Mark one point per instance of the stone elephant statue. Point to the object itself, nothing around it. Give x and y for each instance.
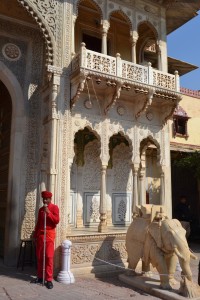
(160, 241)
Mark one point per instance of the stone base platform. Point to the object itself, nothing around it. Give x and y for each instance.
(96, 253)
(151, 286)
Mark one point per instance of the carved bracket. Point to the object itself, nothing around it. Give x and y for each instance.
(80, 88)
(114, 97)
(147, 102)
(171, 110)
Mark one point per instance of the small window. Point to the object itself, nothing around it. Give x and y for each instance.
(180, 127)
(180, 120)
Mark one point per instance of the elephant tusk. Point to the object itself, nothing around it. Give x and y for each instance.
(193, 256)
(178, 254)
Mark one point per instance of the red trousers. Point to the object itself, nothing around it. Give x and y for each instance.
(49, 254)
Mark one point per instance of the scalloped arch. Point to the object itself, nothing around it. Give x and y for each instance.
(81, 128)
(94, 2)
(46, 32)
(148, 23)
(89, 127)
(125, 136)
(149, 138)
(123, 14)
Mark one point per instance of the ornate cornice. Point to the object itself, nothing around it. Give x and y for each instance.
(96, 237)
(43, 16)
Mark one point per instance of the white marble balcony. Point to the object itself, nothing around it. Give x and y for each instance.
(102, 65)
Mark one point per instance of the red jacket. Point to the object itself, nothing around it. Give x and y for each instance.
(52, 219)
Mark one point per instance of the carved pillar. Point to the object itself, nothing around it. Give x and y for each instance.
(159, 57)
(162, 188)
(83, 59)
(53, 136)
(142, 195)
(43, 178)
(44, 160)
(67, 200)
(74, 17)
(103, 215)
(105, 26)
(118, 65)
(150, 74)
(79, 212)
(135, 189)
(134, 38)
(109, 197)
(177, 81)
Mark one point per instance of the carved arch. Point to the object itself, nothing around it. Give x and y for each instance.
(89, 127)
(126, 137)
(123, 15)
(150, 25)
(81, 139)
(143, 146)
(77, 2)
(147, 33)
(44, 27)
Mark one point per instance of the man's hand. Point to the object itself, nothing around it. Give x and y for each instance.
(46, 209)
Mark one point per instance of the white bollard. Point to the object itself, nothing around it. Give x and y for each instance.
(65, 276)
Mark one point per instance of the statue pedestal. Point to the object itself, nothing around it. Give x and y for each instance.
(152, 287)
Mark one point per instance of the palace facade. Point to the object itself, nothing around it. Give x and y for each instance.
(87, 91)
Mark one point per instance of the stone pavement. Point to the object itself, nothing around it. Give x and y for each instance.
(15, 285)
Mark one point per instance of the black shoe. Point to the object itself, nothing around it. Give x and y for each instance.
(49, 285)
(37, 280)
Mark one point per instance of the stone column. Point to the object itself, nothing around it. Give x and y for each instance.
(67, 200)
(44, 164)
(135, 189)
(109, 197)
(53, 137)
(103, 215)
(150, 74)
(74, 17)
(79, 212)
(105, 26)
(159, 57)
(133, 38)
(162, 188)
(177, 81)
(142, 196)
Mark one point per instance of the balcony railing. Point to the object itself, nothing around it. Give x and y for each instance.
(115, 66)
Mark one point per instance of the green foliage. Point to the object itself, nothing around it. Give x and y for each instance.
(190, 161)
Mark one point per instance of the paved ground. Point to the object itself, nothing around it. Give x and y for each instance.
(15, 285)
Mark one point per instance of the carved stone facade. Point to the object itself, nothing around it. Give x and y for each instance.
(85, 124)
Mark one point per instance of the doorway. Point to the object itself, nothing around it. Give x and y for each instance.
(5, 130)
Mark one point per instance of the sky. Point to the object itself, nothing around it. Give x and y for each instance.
(184, 44)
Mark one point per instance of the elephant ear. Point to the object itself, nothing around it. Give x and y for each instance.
(154, 231)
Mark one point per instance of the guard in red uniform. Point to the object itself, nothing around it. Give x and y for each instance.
(52, 219)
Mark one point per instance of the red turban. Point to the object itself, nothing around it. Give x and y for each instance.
(46, 194)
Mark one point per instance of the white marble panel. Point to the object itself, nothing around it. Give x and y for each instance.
(121, 204)
(91, 208)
